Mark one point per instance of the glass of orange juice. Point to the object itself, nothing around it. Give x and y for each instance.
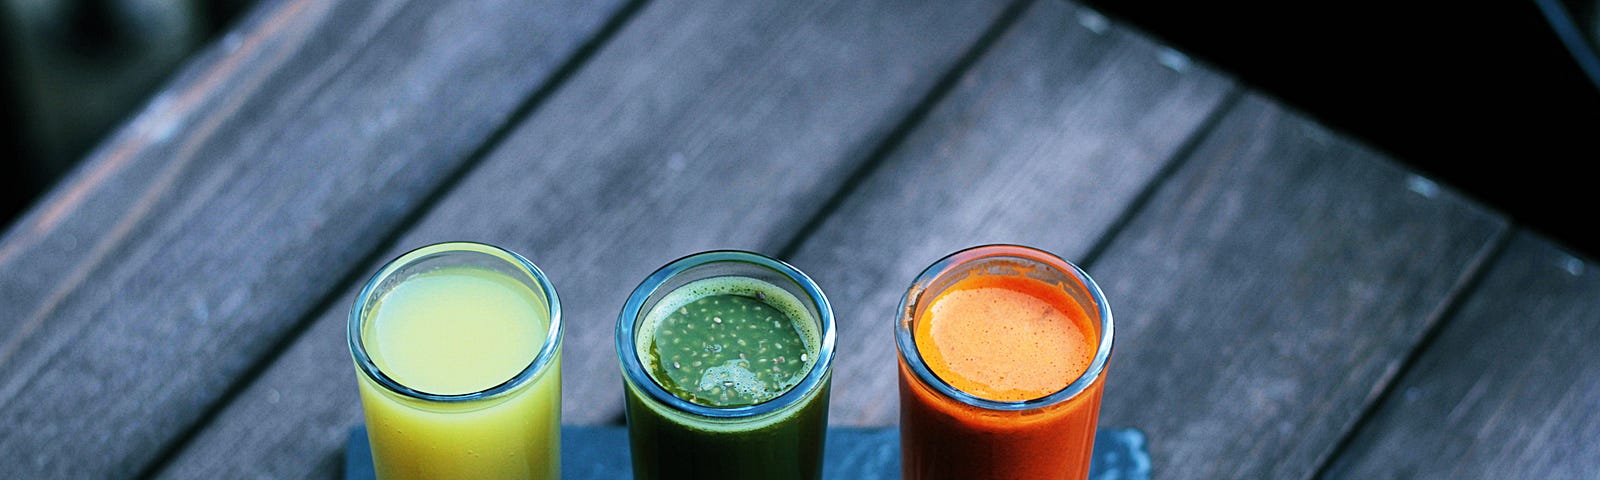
(457, 349)
(1003, 351)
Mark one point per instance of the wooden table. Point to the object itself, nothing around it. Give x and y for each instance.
(1290, 303)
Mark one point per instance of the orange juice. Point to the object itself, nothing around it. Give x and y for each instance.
(1005, 338)
(1002, 350)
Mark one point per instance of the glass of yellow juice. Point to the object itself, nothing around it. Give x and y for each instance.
(457, 349)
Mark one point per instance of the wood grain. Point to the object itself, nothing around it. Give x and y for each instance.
(1509, 387)
(1270, 290)
(190, 243)
(1045, 142)
(701, 125)
(86, 219)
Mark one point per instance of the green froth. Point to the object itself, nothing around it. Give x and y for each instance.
(728, 342)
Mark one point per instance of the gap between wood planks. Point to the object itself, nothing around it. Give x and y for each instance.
(912, 120)
(1437, 323)
(946, 83)
(941, 89)
(1440, 320)
(523, 110)
(1179, 157)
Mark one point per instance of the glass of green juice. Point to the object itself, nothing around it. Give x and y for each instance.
(726, 360)
(457, 349)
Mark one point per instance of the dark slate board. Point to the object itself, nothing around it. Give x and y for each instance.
(190, 245)
(1047, 141)
(1510, 387)
(599, 452)
(721, 124)
(1270, 288)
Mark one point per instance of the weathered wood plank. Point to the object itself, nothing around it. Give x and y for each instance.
(218, 219)
(701, 125)
(1045, 142)
(86, 219)
(1271, 289)
(1509, 387)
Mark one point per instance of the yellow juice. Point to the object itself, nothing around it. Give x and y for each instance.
(459, 331)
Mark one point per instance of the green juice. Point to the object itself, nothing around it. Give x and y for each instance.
(728, 342)
(727, 350)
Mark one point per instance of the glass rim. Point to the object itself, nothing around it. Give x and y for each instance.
(633, 367)
(905, 341)
(535, 369)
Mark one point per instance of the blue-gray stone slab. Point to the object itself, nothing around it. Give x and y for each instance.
(601, 452)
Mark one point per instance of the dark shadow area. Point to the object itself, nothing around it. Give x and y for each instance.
(1480, 96)
(71, 71)
(1483, 97)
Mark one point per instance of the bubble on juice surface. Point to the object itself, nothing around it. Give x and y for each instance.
(732, 375)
